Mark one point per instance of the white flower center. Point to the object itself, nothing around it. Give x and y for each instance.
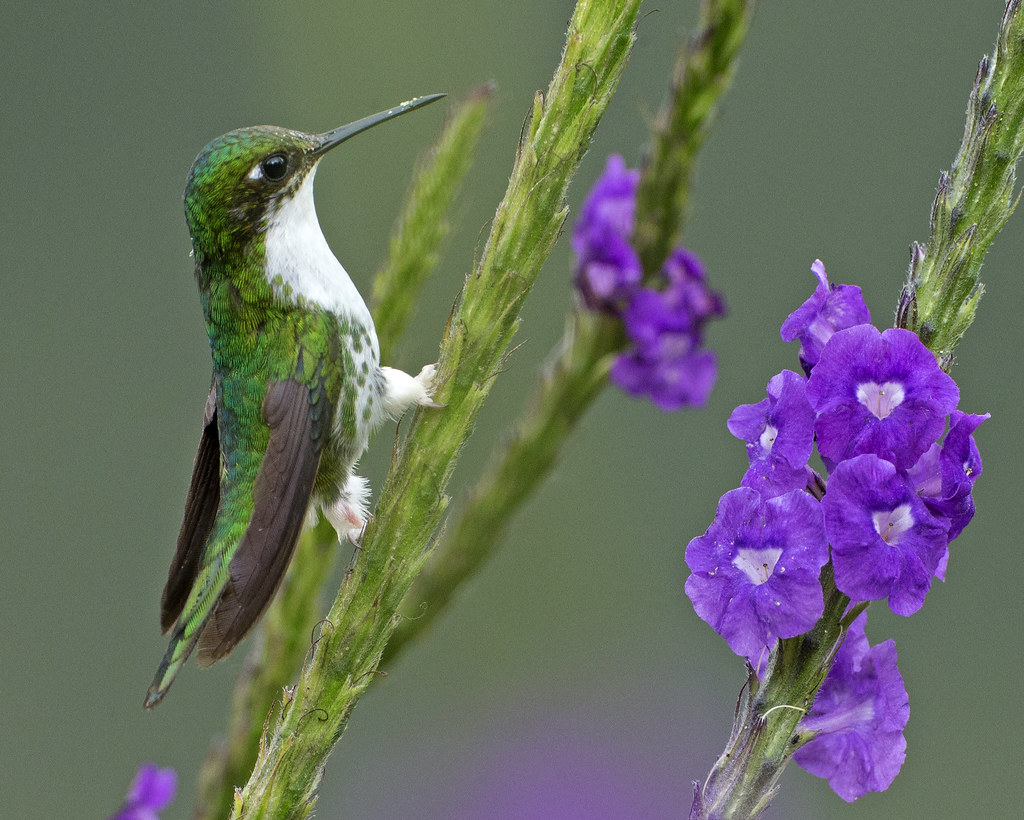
(880, 399)
(891, 524)
(768, 437)
(757, 565)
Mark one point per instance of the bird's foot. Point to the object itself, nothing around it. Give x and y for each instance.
(348, 515)
(402, 391)
(425, 378)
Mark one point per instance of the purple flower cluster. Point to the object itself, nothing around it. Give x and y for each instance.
(664, 324)
(151, 791)
(900, 463)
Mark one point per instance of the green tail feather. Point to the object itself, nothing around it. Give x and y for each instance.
(175, 657)
(208, 587)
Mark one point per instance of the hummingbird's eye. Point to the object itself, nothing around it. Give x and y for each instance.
(274, 167)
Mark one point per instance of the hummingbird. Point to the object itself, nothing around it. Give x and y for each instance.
(297, 385)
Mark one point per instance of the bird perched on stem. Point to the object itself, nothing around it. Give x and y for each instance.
(297, 385)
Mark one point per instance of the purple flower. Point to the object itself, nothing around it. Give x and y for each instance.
(829, 309)
(653, 319)
(858, 719)
(610, 205)
(880, 393)
(664, 325)
(755, 571)
(152, 790)
(608, 269)
(683, 378)
(779, 432)
(959, 467)
(885, 541)
(926, 477)
(665, 361)
(687, 288)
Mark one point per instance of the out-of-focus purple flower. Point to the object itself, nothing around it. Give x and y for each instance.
(687, 288)
(610, 205)
(608, 273)
(858, 719)
(151, 791)
(665, 327)
(755, 571)
(653, 318)
(553, 766)
(608, 269)
(673, 381)
(663, 324)
(885, 541)
(829, 309)
(880, 393)
(779, 433)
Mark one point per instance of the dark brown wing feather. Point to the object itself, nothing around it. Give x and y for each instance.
(281, 496)
(200, 512)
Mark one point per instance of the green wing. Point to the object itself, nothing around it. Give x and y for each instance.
(281, 498)
(200, 513)
(228, 562)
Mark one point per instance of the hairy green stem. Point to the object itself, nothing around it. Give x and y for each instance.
(278, 648)
(423, 225)
(577, 368)
(570, 381)
(347, 651)
(284, 636)
(703, 71)
(764, 734)
(974, 199)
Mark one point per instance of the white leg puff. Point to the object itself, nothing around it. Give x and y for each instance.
(403, 390)
(348, 515)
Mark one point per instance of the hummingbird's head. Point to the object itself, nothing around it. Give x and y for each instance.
(241, 179)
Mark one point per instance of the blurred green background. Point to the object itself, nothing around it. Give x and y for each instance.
(571, 678)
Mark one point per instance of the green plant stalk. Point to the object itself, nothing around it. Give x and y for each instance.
(577, 368)
(278, 648)
(285, 633)
(764, 735)
(344, 659)
(423, 225)
(703, 71)
(573, 377)
(974, 199)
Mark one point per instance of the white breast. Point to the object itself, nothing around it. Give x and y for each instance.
(301, 265)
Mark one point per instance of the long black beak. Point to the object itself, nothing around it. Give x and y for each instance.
(326, 141)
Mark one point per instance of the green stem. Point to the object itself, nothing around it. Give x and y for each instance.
(345, 657)
(973, 202)
(702, 73)
(278, 648)
(568, 385)
(423, 225)
(577, 368)
(745, 778)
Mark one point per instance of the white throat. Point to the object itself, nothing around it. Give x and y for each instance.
(300, 264)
